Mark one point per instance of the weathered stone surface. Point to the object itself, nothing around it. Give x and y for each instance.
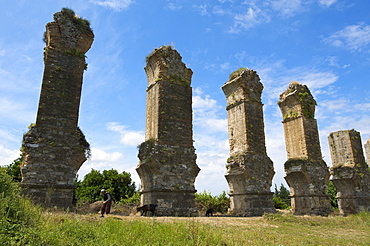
(167, 167)
(55, 148)
(249, 170)
(367, 150)
(350, 173)
(306, 172)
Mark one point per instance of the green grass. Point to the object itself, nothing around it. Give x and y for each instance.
(59, 228)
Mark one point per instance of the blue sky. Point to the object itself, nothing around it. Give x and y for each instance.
(324, 44)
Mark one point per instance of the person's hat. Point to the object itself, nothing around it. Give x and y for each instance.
(103, 190)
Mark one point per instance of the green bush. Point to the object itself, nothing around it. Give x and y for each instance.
(333, 194)
(220, 203)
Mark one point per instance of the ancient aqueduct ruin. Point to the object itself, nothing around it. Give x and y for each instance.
(54, 148)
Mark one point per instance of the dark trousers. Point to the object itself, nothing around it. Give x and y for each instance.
(106, 207)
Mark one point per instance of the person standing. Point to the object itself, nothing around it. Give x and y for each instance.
(107, 202)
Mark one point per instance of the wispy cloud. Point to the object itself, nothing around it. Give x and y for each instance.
(354, 37)
(173, 6)
(327, 3)
(251, 18)
(116, 5)
(287, 8)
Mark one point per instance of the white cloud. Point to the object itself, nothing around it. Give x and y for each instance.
(117, 5)
(327, 3)
(7, 156)
(101, 160)
(206, 111)
(128, 137)
(354, 37)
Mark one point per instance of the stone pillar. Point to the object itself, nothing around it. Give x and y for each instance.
(306, 172)
(367, 150)
(249, 170)
(54, 148)
(167, 167)
(349, 174)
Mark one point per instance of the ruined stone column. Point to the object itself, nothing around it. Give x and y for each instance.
(55, 148)
(249, 170)
(367, 150)
(349, 174)
(306, 172)
(167, 167)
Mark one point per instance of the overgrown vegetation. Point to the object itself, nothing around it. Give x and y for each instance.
(236, 73)
(220, 203)
(333, 194)
(281, 197)
(14, 169)
(18, 216)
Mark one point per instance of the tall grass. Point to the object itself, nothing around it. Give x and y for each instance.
(71, 229)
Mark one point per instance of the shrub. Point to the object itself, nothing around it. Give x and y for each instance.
(220, 203)
(18, 215)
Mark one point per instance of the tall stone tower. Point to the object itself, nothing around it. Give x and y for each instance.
(167, 167)
(349, 174)
(306, 172)
(55, 148)
(249, 169)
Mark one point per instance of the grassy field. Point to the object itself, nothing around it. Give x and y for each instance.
(57, 228)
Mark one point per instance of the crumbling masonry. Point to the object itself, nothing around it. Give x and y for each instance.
(306, 172)
(249, 169)
(55, 148)
(167, 167)
(349, 174)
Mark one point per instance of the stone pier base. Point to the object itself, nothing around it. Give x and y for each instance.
(171, 203)
(251, 204)
(60, 196)
(311, 205)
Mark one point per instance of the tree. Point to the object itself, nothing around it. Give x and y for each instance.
(119, 186)
(14, 169)
(281, 197)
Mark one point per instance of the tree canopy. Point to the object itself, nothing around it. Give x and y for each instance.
(119, 186)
